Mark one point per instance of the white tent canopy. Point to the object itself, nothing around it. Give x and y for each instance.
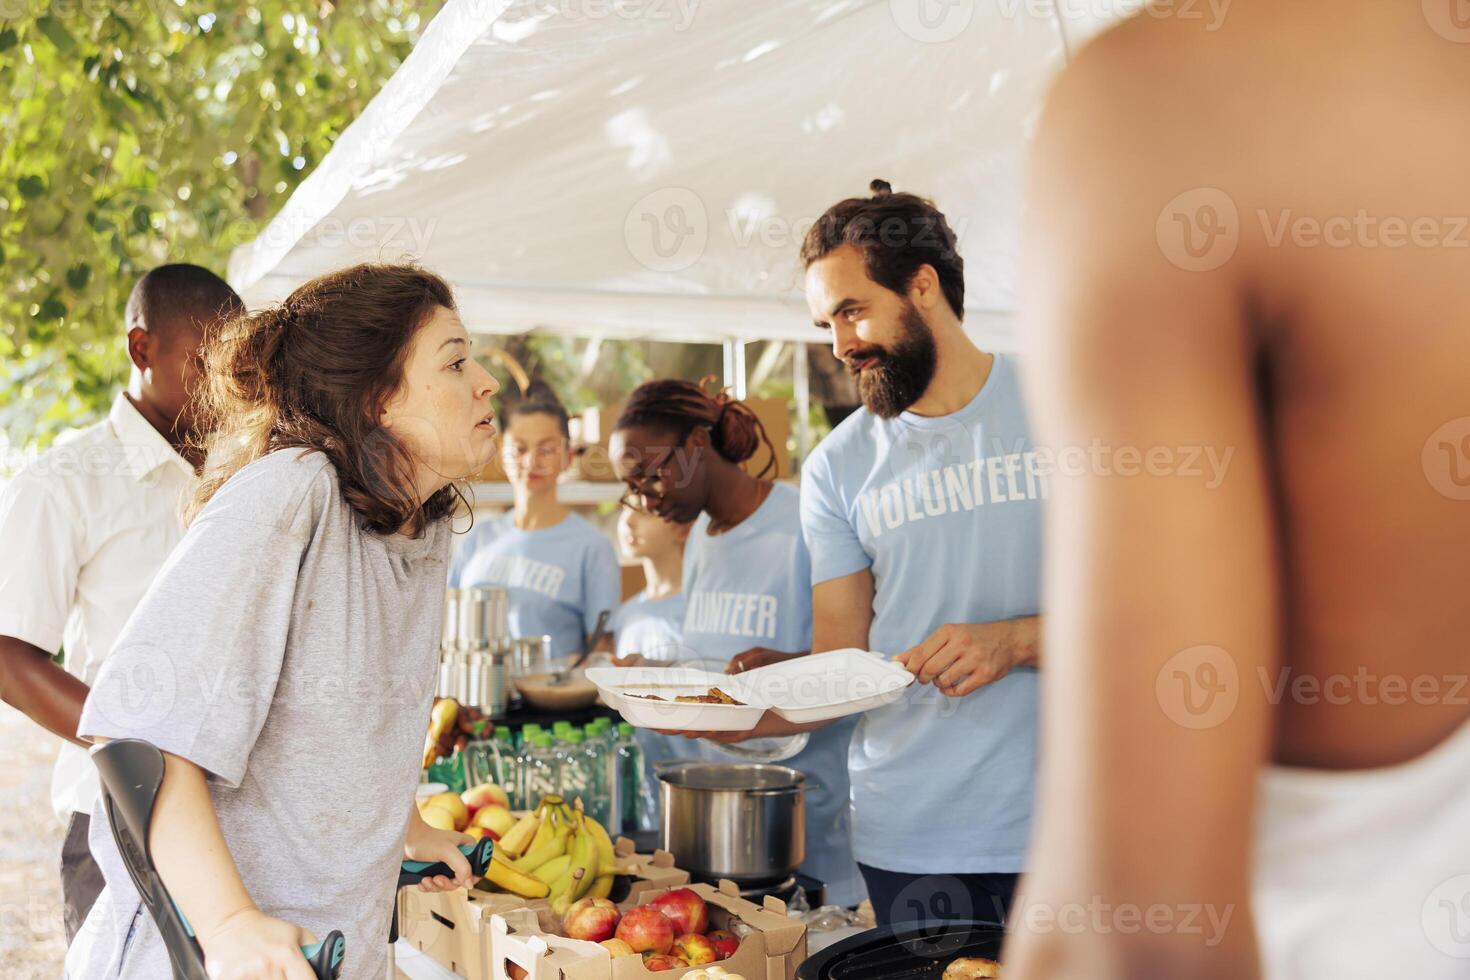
(646, 168)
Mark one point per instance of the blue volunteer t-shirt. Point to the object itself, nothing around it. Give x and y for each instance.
(751, 587)
(651, 628)
(946, 512)
(559, 578)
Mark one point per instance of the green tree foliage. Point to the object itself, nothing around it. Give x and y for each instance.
(137, 133)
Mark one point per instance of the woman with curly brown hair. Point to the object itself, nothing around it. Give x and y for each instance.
(747, 583)
(284, 660)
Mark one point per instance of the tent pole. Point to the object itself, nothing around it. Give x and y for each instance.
(801, 372)
(735, 367)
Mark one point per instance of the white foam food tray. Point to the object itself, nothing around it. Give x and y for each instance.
(807, 689)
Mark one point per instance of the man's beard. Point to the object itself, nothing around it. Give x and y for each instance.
(902, 374)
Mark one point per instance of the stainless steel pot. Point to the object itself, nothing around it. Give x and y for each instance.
(742, 821)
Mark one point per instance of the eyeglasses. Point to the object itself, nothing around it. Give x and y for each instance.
(640, 489)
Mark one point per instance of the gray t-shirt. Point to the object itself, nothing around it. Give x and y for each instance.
(292, 655)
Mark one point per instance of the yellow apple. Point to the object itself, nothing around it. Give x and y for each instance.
(476, 832)
(616, 947)
(451, 803)
(496, 819)
(437, 816)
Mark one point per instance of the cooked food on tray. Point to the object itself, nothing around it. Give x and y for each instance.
(970, 968)
(713, 696)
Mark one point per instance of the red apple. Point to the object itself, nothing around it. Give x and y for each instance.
(646, 929)
(724, 941)
(616, 947)
(694, 948)
(684, 908)
(590, 919)
(659, 962)
(484, 794)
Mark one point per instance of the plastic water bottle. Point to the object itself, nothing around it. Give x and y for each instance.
(595, 751)
(507, 764)
(607, 734)
(631, 805)
(576, 778)
(542, 773)
(525, 742)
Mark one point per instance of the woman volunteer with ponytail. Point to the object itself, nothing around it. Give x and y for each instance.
(747, 578)
(285, 657)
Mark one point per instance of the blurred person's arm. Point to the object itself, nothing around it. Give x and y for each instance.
(34, 684)
(1161, 586)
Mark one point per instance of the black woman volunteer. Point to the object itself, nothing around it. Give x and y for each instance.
(747, 577)
(559, 570)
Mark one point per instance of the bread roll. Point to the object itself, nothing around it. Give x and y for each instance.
(970, 968)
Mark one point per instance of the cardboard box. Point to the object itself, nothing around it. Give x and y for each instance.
(771, 951)
(632, 580)
(450, 927)
(590, 434)
(774, 415)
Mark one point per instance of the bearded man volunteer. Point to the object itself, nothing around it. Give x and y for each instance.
(86, 528)
(922, 514)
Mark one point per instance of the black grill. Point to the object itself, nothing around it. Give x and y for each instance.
(903, 952)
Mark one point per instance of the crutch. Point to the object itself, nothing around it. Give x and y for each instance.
(131, 771)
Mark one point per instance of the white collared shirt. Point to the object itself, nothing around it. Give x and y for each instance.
(86, 527)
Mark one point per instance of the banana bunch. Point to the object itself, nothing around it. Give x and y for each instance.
(555, 852)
